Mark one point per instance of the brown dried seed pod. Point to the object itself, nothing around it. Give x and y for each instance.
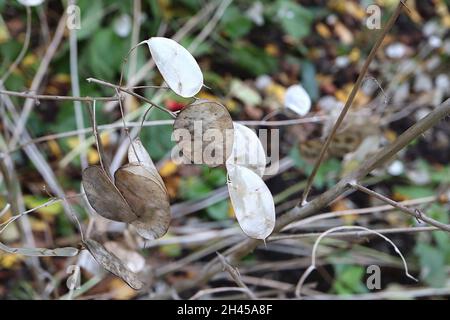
(209, 127)
(147, 197)
(104, 197)
(113, 264)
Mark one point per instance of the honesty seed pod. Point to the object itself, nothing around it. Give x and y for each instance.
(104, 196)
(297, 99)
(30, 3)
(252, 202)
(147, 198)
(247, 150)
(204, 133)
(177, 66)
(138, 195)
(113, 264)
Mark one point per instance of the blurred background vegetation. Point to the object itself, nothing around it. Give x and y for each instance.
(249, 52)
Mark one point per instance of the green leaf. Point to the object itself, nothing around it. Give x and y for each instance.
(214, 177)
(441, 175)
(171, 250)
(193, 188)
(91, 17)
(432, 262)
(349, 279)
(309, 80)
(295, 19)
(234, 23)
(105, 54)
(33, 202)
(439, 213)
(327, 173)
(157, 139)
(413, 192)
(252, 59)
(218, 211)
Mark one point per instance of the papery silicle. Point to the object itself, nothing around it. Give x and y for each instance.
(252, 202)
(297, 99)
(248, 150)
(177, 66)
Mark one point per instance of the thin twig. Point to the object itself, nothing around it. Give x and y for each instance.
(107, 84)
(350, 234)
(358, 211)
(235, 275)
(204, 292)
(98, 141)
(416, 213)
(75, 83)
(350, 99)
(61, 98)
(5, 209)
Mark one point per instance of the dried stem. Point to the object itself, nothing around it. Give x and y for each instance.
(107, 84)
(61, 98)
(125, 128)
(75, 84)
(98, 140)
(352, 234)
(234, 273)
(416, 213)
(350, 99)
(204, 292)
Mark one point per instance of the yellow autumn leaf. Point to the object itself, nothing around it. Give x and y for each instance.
(4, 33)
(272, 50)
(93, 157)
(54, 148)
(355, 10)
(29, 60)
(207, 96)
(276, 91)
(120, 290)
(38, 225)
(230, 210)
(33, 202)
(323, 30)
(231, 105)
(354, 55)
(9, 260)
(168, 168)
(390, 135)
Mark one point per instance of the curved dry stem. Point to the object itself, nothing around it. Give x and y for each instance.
(143, 120)
(204, 292)
(312, 267)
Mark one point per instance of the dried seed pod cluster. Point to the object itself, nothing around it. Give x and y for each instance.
(137, 196)
(205, 134)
